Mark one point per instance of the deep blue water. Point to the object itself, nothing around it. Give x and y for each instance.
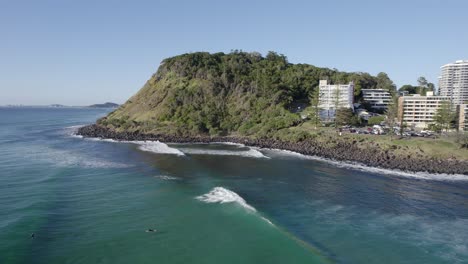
(90, 201)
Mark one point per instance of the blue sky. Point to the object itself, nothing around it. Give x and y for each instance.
(84, 52)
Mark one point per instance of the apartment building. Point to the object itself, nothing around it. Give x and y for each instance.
(333, 96)
(462, 113)
(378, 99)
(453, 81)
(417, 110)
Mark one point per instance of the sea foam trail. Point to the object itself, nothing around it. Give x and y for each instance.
(250, 153)
(362, 167)
(167, 178)
(66, 158)
(149, 146)
(222, 195)
(158, 147)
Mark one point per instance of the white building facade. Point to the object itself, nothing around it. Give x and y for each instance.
(462, 113)
(333, 96)
(419, 111)
(453, 81)
(378, 99)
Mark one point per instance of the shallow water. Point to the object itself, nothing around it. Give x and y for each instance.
(91, 200)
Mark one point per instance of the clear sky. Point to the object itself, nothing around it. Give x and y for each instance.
(84, 52)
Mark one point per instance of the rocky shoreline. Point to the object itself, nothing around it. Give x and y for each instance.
(341, 151)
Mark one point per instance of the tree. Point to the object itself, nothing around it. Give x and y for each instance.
(422, 82)
(392, 113)
(384, 82)
(430, 87)
(424, 86)
(444, 116)
(409, 88)
(336, 103)
(343, 116)
(314, 109)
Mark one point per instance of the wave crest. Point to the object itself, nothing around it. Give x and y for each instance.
(223, 195)
(250, 153)
(158, 147)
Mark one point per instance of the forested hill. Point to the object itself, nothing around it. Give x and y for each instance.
(227, 94)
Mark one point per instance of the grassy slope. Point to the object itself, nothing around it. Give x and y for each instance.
(443, 148)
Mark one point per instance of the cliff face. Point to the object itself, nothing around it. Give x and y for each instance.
(224, 94)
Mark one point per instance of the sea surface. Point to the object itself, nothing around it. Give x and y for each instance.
(92, 201)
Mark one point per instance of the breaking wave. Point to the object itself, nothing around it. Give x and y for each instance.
(71, 131)
(149, 146)
(222, 195)
(158, 147)
(251, 153)
(365, 168)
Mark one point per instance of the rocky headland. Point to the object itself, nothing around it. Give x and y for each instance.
(342, 150)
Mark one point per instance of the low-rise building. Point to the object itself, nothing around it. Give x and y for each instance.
(419, 111)
(334, 96)
(378, 99)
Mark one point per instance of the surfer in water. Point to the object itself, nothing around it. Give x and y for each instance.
(151, 230)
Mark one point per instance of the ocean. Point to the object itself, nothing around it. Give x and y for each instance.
(93, 201)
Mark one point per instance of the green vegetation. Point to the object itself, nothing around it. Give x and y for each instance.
(226, 94)
(313, 111)
(445, 147)
(444, 117)
(423, 87)
(245, 94)
(345, 116)
(375, 120)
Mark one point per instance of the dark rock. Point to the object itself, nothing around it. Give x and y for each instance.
(340, 151)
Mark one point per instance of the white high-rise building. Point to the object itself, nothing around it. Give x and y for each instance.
(333, 96)
(453, 81)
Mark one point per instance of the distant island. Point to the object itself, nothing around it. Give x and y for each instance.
(105, 105)
(250, 99)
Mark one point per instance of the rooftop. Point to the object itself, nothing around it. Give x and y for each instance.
(456, 63)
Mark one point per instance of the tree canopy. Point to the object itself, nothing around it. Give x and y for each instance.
(221, 94)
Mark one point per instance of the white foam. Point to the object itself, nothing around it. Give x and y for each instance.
(210, 143)
(223, 195)
(74, 127)
(267, 220)
(71, 131)
(66, 158)
(166, 178)
(149, 146)
(93, 139)
(362, 167)
(251, 153)
(229, 143)
(158, 147)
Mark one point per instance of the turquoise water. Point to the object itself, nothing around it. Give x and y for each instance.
(90, 201)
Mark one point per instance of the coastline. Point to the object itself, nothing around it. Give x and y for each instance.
(342, 151)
